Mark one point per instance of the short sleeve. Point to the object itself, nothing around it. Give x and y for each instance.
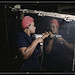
(21, 42)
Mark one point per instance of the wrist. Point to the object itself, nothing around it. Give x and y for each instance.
(51, 38)
(63, 41)
(36, 41)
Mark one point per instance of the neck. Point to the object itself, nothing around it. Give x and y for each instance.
(27, 31)
(55, 33)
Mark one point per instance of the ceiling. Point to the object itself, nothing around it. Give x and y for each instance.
(65, 7)
(52, 7)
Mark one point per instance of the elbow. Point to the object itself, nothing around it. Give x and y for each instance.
(48, 51)
(23, 53)
(71, 47)
(25, 57)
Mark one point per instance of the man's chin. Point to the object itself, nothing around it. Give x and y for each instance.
(33, 32)
(54, 33)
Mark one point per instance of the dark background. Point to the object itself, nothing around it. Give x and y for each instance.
(10, 24)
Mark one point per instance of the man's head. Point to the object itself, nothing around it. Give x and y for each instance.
(28, 23)
(54, 26)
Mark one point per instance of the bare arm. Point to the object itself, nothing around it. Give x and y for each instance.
(70, 46)
(26, 52)
(48, 48)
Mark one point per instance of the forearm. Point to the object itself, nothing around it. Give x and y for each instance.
(70, 46)
(49, 47)
(29, 50)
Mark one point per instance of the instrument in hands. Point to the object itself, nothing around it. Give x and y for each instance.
(40, 35)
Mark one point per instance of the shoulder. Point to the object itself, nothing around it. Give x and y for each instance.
(19, 34)
(21, 41)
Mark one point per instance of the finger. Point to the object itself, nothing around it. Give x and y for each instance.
(49, 33)
(46, 32)
(43, 33)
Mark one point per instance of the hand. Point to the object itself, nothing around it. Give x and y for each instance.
(45, 35)
(61, 40)
(51, 35)
(40, 40)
